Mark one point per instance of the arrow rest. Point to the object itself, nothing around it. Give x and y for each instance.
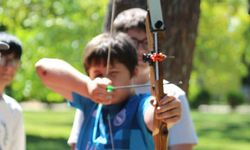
(153, 57)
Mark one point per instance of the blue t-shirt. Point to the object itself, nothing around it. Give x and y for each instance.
(118, 126)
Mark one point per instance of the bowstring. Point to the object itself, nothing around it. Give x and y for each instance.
(111, 33)
(108, 66)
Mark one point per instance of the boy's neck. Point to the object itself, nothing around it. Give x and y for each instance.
(132, 93)
(122, 102)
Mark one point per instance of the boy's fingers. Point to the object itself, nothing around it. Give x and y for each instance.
(104, 98)
(168, 106)
(166, 99)
(168, 115)
(171, 120)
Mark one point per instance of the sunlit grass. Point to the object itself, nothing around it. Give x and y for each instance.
(48, 130)
(222, 131)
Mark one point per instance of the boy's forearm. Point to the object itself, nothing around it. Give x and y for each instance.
(67, 95)
(61, 77)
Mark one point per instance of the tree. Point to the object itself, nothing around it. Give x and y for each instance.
(219, 48)
(181, 18)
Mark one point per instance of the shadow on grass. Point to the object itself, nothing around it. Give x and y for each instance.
(235, 131)
(44, 143)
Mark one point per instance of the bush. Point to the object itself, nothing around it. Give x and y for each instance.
(235, 98)
(203, 97)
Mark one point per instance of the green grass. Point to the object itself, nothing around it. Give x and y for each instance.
(222, 131)
(49, 130)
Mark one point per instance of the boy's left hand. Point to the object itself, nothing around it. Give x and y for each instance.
(169, 110)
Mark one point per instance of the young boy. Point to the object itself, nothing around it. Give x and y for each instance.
(12, 135)
(117, 120)
(182, 135)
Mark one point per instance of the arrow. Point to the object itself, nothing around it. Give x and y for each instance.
(110, 88)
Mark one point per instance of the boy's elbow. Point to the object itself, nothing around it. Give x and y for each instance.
(40, 69)
(40, 62)
(41, 72)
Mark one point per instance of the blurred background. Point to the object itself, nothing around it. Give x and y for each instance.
(218, 86)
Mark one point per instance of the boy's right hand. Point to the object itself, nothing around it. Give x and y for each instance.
(98, 92)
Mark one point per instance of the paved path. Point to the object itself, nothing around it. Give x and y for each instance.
(223, 109)
(38, 106)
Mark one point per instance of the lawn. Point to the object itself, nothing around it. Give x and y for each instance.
(222, 131)
(49, 130)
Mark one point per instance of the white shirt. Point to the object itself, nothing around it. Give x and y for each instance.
(12, 134)
(182, 132)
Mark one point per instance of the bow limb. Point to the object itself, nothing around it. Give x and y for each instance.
(155, 34)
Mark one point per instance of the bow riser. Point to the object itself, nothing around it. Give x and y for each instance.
(155, 34)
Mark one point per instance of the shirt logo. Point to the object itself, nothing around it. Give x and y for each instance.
(120, 118)
(94, 113)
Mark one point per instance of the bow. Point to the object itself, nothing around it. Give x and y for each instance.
(155, 31)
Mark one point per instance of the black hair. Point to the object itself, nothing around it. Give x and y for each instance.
(130, 18)
(121, 49)
(15, 46)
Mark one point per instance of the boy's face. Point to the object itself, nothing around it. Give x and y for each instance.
(8, 67)
(118, 74)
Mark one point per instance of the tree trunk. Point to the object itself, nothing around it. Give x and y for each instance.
(181, 18)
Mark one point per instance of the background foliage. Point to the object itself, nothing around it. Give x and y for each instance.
(49, 29)
(61, 29)
(218, 68)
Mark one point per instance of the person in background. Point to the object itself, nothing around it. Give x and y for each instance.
(182, 136)
(12, 134)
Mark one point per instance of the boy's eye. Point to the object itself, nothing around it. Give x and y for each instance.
(112, 74)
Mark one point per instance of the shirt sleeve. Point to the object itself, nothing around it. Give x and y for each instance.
(80, 102)
(83, 106)
(143, 106)
(146, 133)
(183, 132)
